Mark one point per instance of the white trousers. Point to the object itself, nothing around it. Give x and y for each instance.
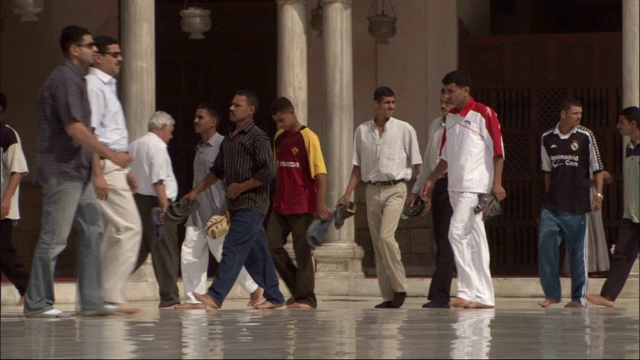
(122, 233)
(471, 250)
(194, 261)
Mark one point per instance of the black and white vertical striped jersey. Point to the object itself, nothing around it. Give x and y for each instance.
(570, 159)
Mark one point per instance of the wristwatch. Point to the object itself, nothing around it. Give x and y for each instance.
(600, 195)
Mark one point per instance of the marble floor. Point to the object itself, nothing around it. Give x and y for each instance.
(342, 327)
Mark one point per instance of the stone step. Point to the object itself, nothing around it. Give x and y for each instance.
(504, 287)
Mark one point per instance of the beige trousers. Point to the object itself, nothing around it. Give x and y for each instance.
(384, 206)
(122, 233)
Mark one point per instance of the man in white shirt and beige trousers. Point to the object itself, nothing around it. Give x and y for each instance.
(114, 185)
(384, 151)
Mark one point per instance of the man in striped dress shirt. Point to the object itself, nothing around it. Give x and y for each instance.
(245, 162)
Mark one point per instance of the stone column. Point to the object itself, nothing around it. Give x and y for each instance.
(292, 54)
(138, 80)
(630, 53)
(138, 97)
(339, 259)
(630, 66)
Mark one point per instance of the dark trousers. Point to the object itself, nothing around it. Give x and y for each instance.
(625, 254)
(246, 245)
(441, 213)
(165, 252)
(300, 280)
(10, 265)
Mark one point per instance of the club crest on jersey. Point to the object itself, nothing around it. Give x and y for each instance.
(294, 150)
(574, 145)
(467, 122)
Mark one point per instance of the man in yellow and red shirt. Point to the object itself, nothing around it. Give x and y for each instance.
(300, 196)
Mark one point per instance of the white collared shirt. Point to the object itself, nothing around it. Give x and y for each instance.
(431, 153)
(107, 117)
(386, 157)
(151, 163)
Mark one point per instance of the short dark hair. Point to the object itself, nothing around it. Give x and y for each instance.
(252, 97)
(3, 102)
(567, 103)
(382, 92)
(211, 110)
(103, 42)
(70, 35)
(458, 77)
(281, 104)
(632, 113)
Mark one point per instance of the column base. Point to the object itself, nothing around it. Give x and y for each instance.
(338, 268)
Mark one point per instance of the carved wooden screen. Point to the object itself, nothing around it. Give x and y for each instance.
(524, 78)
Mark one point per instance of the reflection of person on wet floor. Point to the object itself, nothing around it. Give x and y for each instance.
(628, 242)
(473, 155)
(569, 154)
(441, 211)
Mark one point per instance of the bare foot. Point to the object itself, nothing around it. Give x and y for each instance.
(290, 300)
(170, 307)
(21, 301)
(206, 299)
(267, 305)
(460, 302)
(126, 309)
(477, 305)
(548, 302)
(188, 306)
(297, 305)
(600, 300)
(256, 297)
(573, 304)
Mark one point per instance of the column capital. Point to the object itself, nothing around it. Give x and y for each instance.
(292, 2)
(327, 2)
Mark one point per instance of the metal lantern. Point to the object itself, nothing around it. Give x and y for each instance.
(316, 18)
(195, 21)
(382, 26)
(27, 8)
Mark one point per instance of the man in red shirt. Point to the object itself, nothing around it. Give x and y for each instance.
(300, 196)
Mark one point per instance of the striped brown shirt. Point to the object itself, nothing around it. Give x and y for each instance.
(242, 157)
(63, 98)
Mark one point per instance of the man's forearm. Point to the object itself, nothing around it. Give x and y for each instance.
(356, 176)
(321, 181)
(498, 165)
(14, 181)
(161, 192)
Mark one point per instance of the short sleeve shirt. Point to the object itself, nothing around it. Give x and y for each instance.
(298, 160)
(13, 161)
(212, 200)
(631, 180)
(63, 98)
(151, 163)
(570, 159)
(386, 157)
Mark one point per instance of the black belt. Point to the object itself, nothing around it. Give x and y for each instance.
(386, 183)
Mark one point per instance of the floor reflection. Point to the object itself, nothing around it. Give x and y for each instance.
(350, 331)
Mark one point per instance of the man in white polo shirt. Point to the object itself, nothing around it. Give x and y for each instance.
(384, 151)
(114, 185)
(157, 186)
(473, 155)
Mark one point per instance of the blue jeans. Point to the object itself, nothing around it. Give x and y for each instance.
(246, 245)
(554, 225)
(66, 201)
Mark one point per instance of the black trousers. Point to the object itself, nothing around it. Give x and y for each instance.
(165, 252)
(300, 280)
(10, 265)
(441, 212)
(624, 256)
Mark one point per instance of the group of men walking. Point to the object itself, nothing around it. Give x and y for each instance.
(118, 195)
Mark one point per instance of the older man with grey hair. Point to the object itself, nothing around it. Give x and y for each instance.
(157, 186)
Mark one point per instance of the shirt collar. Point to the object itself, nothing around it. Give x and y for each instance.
(102, 76)
(75, 68)
(557, 131)
(465, 110)
(386, 125)
(210, 142)
(632, 150)
(156, 138)
(245, 129)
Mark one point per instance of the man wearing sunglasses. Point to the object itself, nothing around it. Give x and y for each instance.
(63, 168)
(114, 185)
